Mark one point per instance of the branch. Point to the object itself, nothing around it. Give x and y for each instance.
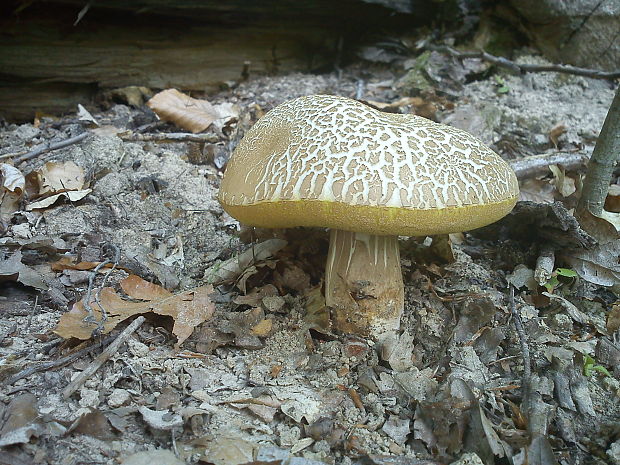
(536, 165)
(168, 137)
(525, 68)
(43, 148)
(603, 161)
(102, 358)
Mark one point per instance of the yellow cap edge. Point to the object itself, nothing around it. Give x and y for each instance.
(381, 221)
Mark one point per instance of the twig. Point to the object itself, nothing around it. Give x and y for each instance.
(90, 317)
(60, 362)
(544, 265)
(537, 165)
(34, 308)
(169, 137)
(43, 148)
(525, 350)
(525, 68)
(601, 165)
(102, 358)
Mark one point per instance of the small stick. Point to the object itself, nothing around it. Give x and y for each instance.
(169, 137)
(58, 363)
(544, 265)
(537, 165)
(525, 68)
(102, 358)
(34, 308)
(43, 148)
(525, 350)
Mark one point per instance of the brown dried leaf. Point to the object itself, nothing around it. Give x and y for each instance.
(555, 134)
(66, 263)
(12, 184)
(53, 178)
(613, 319)
(612, 202)
(189, 113)
(188, 309)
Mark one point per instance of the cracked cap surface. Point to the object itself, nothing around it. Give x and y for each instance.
(333, 162)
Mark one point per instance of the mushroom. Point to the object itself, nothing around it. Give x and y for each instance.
(332, 162)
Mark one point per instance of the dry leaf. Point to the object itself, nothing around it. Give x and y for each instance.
(84, 115)
(66, 263)
(12, 269)
(188, 309)
(233, 268)
(555, 134)
(613, 318)
(189, 113)
(12, 184)
(73, 196)
(564, 184)
(537, 190)
(53, 178)
(612, 202)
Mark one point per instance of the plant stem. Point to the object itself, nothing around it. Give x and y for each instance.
(601, 165)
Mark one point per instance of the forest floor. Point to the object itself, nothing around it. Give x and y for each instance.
(256, 375)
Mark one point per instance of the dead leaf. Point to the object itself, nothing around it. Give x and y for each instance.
(66, 263)
(12, 184)
(255, 298)
(262, 328)
(188, 309)
(555, 134)
(192, 114)
(84, 115)
(564, 184)
(293, 277)
(20, 420)
(317, 314)
(55, 177)
(55, 180)
(613, 318)
(73, 196)
(233, 268)
(12, 269)
(537, 190)
(612, 202)
(600, 265)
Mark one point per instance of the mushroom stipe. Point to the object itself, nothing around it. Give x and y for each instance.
(328, 161)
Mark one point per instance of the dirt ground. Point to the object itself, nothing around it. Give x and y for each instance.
(262, 379)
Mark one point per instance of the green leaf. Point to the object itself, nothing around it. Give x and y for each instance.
(552, 283)
(567, 272)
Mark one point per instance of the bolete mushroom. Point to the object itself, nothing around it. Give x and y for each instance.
(370, 177)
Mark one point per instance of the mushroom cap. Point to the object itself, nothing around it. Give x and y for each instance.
(330, 161)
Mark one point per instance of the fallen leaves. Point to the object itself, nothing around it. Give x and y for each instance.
(12, 184)
(55, 180)
(192, 114)
(188, 309)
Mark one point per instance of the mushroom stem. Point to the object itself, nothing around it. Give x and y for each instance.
(363, 283)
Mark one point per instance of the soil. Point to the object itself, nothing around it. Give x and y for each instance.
(449, 387)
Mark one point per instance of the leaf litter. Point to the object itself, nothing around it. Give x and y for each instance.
(261, 377)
